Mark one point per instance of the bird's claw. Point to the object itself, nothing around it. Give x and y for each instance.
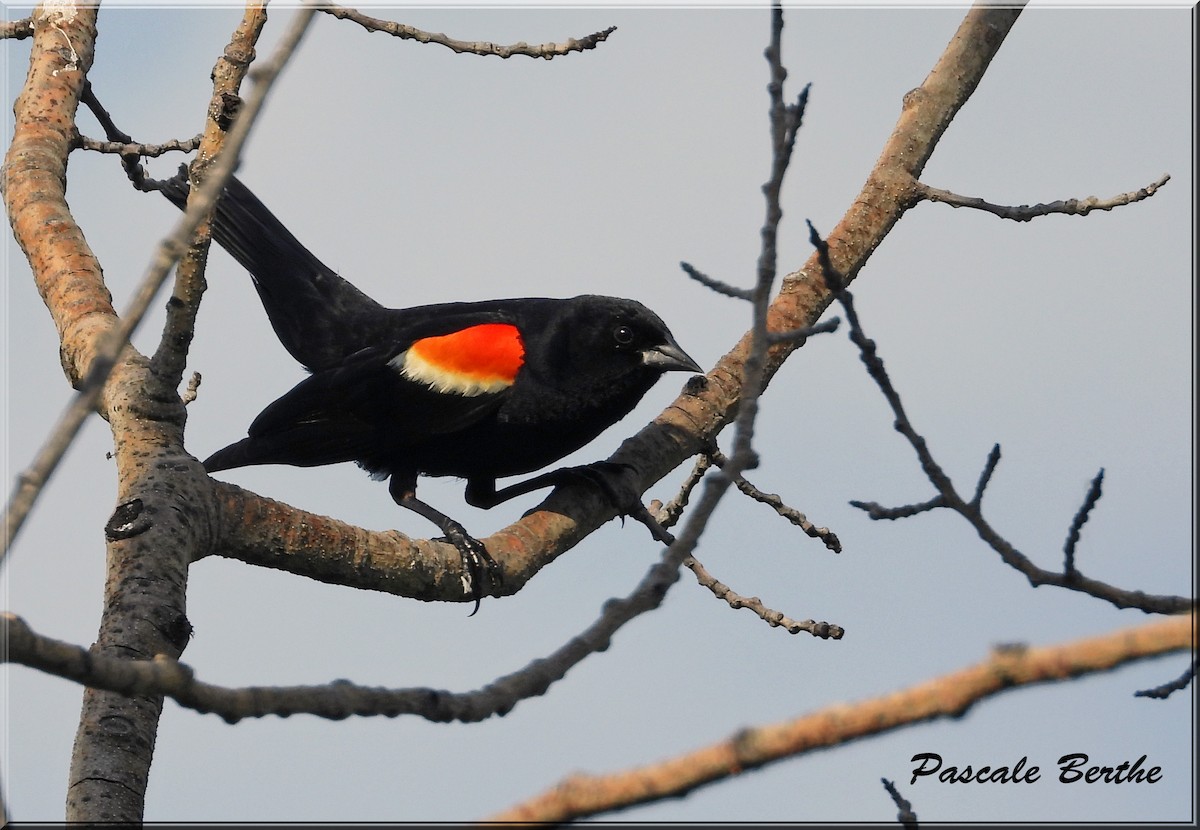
(476, 560)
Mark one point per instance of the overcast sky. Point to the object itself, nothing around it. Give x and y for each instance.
(425, 176)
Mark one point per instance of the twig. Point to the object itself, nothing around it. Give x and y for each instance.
(825, 327)
(140, 150)
(776, 619)
(877, 511)
(400, 30)
(1024, 213)
(906, 816)
(668, 514)
(755, 367)
(989, 468)
(1081, 516)
(717, 285)
(784, 121)
(17, 30)
(1167, 689)
(773, 501)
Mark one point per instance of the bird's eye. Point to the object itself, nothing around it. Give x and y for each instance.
(623, 335)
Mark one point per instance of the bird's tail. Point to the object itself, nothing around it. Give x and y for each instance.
(239, 454)
(319, 317)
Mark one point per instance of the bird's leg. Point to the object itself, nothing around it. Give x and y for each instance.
(475, 557)
(607, 476)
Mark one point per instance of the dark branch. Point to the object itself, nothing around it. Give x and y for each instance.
(717, 285)
(776, 619)
(906, 816)
(877, 511)
(988, 469)
(1167, 689)
(1024, 213)
(1077, 523)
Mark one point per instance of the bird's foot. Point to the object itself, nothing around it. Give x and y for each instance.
(476, 562)
(611, 477)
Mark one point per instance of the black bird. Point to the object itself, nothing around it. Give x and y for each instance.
(477, 390)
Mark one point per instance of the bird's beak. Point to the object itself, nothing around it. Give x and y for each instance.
(669, 357)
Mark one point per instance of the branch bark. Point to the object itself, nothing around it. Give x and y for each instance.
(949, 696)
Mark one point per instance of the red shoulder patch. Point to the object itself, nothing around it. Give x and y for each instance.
(475, 360)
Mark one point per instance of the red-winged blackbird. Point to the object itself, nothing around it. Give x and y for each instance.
(477, 390)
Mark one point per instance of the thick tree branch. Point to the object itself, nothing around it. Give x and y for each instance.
(162, 674)
(948, 696)
(66, 272)
(162, 518)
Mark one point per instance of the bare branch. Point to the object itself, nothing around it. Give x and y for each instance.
(878, 511)
(140, 150)
(404, 32)
(773, 501)
(948, 696)
(668, 514)
(1077, 523)
(906, 815)
(17, 30)
(1024, 213)
(67, 274)
(715, 284)
(826, 327)
(989, 468)
(775, 619)
(1167, 689)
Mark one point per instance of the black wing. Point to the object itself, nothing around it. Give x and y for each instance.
(361, 410)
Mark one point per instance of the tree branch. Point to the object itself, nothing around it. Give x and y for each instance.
(16, 29)
(161, 520)
(1024, 213)
(140, 150)
(948, 696)
(164, 675)
(776, 619)
(906, 816)
(547, 51)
